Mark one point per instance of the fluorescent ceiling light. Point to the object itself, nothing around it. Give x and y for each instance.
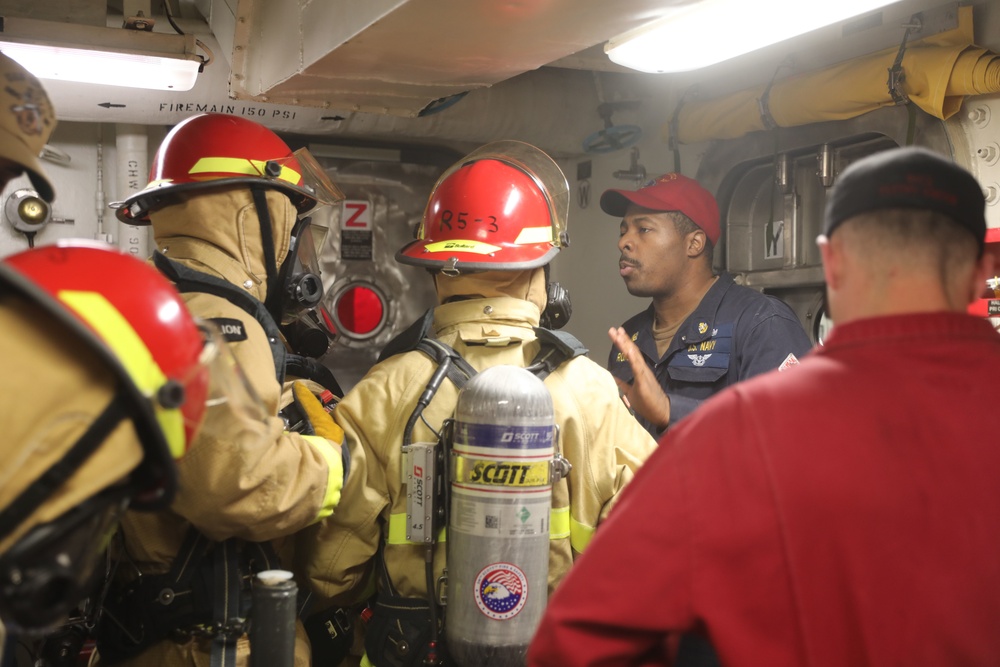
(108, 56)
(710, 31)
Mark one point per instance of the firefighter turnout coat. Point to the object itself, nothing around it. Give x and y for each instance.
(242, 477)
(597, 434)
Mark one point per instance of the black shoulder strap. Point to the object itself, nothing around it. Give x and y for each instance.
(558, 347)
(459, 370)
(188, 280)
(408, 339)
(450, 364)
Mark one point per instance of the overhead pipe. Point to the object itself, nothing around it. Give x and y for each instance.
(940, 72)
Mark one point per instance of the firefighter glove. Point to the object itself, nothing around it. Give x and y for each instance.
(318, 423)
(317, 420)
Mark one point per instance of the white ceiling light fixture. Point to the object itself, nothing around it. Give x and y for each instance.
(108, 56)
(707, 32)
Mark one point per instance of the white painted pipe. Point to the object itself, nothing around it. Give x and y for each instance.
(133, 170)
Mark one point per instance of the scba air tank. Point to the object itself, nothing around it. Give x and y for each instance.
(498, 526)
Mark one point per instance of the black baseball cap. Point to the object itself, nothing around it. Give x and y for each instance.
(909, 177)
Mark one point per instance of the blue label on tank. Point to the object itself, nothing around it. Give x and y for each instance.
(507, 437)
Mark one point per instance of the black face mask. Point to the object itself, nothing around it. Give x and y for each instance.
(305, 337)
(299, 285)
(307, 326)
(300, 293)
(50, 569)
(295, 288)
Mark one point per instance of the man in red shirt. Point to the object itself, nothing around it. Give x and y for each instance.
(844, 513)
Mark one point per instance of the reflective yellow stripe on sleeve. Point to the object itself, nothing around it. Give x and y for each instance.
(335, 479)
(559, 523)
(580, 535)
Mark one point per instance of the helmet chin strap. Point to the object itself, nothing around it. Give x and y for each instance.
(273, 299)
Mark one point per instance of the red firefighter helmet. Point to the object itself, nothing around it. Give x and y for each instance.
(135, 319)
(502, 207)
(212, 150)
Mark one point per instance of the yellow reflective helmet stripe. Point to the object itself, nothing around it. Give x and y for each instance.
(238, 165)
(335, 478)
(534, 235)
(133, 355)
(462, 245)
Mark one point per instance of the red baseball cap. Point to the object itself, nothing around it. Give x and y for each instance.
(670, 192)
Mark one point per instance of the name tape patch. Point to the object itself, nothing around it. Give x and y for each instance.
(232, 330)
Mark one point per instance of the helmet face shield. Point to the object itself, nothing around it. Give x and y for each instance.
(140, 394)
(134, 319)
(315, 180)
(502, 207)
(541, 168)
(227, 383)
(127, 310)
